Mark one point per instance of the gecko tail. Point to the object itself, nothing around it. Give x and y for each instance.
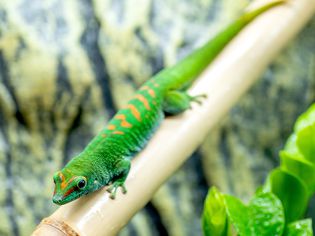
(192, 65)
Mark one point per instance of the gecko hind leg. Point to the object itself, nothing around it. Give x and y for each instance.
(176, 102)
(122, 170)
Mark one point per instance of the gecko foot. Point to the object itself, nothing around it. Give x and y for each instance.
(198, 99)
(113, 189)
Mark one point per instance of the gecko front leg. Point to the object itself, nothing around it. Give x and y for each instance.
(176, 101)
(122, 170)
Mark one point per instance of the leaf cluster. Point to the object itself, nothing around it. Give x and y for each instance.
(278, 205)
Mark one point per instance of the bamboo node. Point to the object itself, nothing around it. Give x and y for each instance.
(59, 228)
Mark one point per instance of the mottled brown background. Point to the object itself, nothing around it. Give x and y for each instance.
(67, 66)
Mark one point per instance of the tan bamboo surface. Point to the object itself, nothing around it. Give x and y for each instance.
(235, 70)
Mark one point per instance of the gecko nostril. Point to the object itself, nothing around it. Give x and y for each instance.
(57, 199)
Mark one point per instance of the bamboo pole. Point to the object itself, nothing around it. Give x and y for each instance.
(235, 70)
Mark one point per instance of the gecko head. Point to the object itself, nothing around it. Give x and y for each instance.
(69, 187)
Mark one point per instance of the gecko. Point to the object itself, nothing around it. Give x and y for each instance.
(106, 160)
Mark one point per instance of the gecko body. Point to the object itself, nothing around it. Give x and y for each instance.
(107, 158)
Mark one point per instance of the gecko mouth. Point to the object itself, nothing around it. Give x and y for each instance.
(58, 199)
(62, 199)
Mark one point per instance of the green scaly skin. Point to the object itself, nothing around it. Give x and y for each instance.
(106, 159)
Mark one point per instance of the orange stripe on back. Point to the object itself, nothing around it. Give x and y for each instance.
(143, 100)
(118, 132)
(111, 127)
(145, 87)
(150, 91)
(134, 111)
(123, 123)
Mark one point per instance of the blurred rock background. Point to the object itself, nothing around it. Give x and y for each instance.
(67, 66)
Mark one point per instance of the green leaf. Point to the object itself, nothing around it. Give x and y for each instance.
(291, 191)
(238, 215)
(300, 167)
(306, 119)
(300, 228)
(292, 148)
(214, 220)
(262, 217)
(306, 142)
(267, 214)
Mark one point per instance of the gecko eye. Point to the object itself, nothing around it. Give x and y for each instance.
(56, 177)
(81, 184)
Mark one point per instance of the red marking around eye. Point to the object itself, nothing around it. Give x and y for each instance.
(69, 192)
(61, 176)
(70, 180)
(123, 123)
(143, 100)
(134, 111)
(63, 182)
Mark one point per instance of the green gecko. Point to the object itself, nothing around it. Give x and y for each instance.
(107, 158)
